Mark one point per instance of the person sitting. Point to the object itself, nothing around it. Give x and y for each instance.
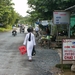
(47, 31)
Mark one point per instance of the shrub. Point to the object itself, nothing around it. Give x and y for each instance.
(4, 29)
(65, 66)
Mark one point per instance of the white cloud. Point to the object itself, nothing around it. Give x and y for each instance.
(21, 6)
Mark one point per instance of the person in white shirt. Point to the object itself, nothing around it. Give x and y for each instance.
(37, 30)
(14, 29)
(29, 41)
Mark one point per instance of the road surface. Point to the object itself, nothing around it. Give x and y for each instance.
(13, 63)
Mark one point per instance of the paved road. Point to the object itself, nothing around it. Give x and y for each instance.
(13, 63)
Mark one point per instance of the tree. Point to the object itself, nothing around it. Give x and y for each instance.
(46, 7)
(7, 14)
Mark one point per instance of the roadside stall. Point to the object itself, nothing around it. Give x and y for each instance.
(61, 19)
(45, 41)
(45, 37)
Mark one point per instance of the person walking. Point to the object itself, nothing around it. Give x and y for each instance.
(29, 42)
(37, 30)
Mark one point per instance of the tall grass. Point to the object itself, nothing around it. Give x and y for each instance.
(8, 28)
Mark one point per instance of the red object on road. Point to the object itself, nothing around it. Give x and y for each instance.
(23, 50)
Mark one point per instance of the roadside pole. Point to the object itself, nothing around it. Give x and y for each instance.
(69, 31)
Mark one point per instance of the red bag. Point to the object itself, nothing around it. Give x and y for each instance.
(23, 50)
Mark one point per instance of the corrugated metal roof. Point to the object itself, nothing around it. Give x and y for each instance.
(70, 8)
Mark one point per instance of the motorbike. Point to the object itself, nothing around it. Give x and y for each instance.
(22, 30)
(14, 33)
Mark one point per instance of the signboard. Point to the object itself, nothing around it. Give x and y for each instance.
(61, 17)
(68, 49)
(44, 22)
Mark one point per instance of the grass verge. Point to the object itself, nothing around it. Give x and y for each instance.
(65, 66)
(5, 29)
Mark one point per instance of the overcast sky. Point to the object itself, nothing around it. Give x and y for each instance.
(21, 6)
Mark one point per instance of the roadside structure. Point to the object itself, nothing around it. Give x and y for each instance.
(72, 17)
(72, 23)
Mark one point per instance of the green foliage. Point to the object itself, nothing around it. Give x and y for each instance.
(26, 20)
(4, 29)
(7, 14)
(44, 8)
(73, 30)
(65, 66)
